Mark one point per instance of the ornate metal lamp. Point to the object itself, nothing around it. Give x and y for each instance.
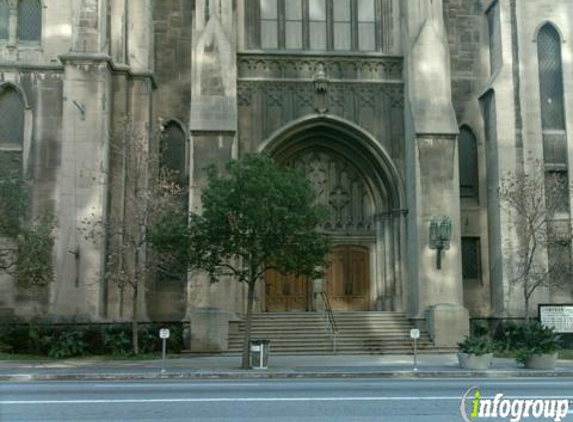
(440, 236)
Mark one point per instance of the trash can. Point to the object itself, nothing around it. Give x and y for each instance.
(259, 351)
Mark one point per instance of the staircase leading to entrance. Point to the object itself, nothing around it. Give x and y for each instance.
(307, 333)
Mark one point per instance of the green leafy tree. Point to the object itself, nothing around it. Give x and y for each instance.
(255, 217)
(26, 242)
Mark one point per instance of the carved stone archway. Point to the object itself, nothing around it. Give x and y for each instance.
(358, 183)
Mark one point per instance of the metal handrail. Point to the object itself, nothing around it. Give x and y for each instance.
(330, 320)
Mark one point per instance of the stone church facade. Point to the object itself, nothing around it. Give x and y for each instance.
(404, 115)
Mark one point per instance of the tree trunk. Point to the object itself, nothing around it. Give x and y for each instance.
(248, 320)
(526, 301)
(135, 322)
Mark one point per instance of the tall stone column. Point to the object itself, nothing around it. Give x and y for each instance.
(213, 128)
(82, 180)
(435, 290)
(132, 51)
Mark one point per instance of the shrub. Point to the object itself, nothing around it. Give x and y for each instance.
(14, 337)
(535, 338)
(69, 340)
(151, 343)
(508, 335)
(116, 340)
(479, 345)
(66, 343)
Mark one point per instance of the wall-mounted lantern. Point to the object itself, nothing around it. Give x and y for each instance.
(440, 236)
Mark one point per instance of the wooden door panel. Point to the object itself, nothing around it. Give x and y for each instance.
(348, 278)
(285, 293)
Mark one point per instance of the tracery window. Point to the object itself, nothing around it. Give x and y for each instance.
(318, 25)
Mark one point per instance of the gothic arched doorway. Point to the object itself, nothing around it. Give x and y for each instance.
(355, 180)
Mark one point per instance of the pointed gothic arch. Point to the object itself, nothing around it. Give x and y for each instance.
(468, 163)
(15, 122)
(173, 150)
(360, 185)
(350, 140)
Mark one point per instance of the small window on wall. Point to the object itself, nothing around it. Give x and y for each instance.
(560, 264)
(29, 20)
(4, 20)
(317, 25)
(550, 78)
(11, 119)
(342, 25)
(494, 27)
(468, 164)
(557, 191)
(269, 24)
(293, 24)
(366, 25)
(471, 258)
(173, 152)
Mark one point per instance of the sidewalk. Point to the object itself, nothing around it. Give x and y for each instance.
(280, 366)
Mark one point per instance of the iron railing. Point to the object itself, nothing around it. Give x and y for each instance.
(330, 321)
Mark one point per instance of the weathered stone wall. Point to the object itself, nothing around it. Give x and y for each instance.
(464, 20)
(172, 19)
(173, 28)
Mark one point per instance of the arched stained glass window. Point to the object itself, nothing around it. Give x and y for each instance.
(29, 20)
(11, 118)
(550, 78)
(468, 164)
(557, 190)
(173, 156)
(4, 19)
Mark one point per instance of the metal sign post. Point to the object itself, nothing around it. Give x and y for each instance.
(163, 335)
(415, 335)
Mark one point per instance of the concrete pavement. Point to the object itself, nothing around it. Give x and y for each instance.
(280, 366)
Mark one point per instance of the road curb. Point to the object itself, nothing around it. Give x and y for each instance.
(256, 374)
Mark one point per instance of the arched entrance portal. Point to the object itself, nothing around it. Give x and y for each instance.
(356, 181)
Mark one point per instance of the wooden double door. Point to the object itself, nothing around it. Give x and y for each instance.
(347, 283)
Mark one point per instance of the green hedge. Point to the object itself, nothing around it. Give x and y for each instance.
(69, 340)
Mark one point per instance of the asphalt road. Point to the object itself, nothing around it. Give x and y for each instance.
(392, 400)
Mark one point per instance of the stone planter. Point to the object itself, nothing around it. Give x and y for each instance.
(474, 362)
(545, 362)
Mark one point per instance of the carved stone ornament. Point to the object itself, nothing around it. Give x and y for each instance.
(320, 88)
(340, 188)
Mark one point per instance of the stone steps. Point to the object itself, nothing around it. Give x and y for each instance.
(306, 333)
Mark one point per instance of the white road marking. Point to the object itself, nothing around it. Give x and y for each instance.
(252, 399)
(171, 386)
(230, 399)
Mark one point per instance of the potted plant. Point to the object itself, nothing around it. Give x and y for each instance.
(537, 346)
(475, 353)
